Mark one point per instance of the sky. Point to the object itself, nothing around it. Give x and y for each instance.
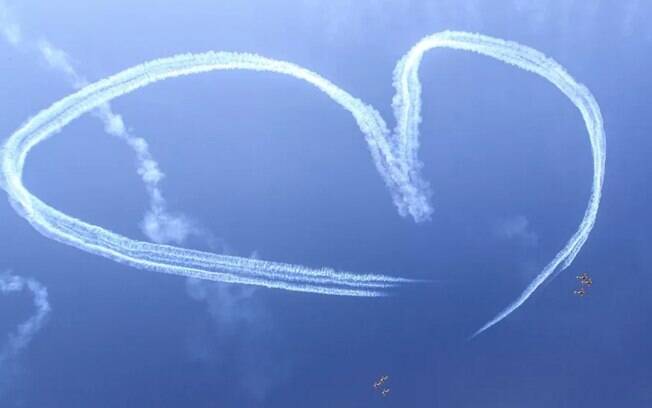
(264, 166)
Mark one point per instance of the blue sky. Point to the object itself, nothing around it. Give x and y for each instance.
(266, 166)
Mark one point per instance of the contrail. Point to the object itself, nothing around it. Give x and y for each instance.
(394, 154)
(159, 225)
(19, 339)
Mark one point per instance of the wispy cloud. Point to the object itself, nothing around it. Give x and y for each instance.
(347, 22)
(8, 27)
(242, 333)
(517, 228)
(635, 21)
(20, 338)
(163, 227)
(58, 60)
(344, 22)
(535, 12)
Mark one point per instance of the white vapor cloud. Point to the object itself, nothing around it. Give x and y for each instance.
(242, 333)
(162, 227)
(58, 60)
(21, 337)
(8, 28)
(535, 12)
(227, 304)
(517, 228)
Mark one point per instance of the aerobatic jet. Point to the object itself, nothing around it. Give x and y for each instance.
(381, 381)
(580, 292)
(585, 279)
(380, 385)
(585, 282)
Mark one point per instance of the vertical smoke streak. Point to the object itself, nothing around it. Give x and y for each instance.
(9, 29)
(158, 224)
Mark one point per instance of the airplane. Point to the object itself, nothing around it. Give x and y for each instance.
(585, 279)
(381, 381)
(385, 392)
(580, 292)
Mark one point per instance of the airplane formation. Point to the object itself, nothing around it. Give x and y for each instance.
(379, 385)
(585, 283)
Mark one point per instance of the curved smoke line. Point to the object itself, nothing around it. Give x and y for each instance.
(395, 156)
(407, 109)
(159, 224)
(19, 339)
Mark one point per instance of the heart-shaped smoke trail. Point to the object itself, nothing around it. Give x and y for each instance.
(395, 156)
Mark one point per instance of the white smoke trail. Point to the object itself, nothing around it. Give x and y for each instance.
(163, 258)
(19, 339)
(407, 108)
(395, 157)
(158, 224)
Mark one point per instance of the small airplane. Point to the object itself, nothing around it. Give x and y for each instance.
(585, 279)
(381, 381)
(385, 392)
(580, 292)
(585, 282)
